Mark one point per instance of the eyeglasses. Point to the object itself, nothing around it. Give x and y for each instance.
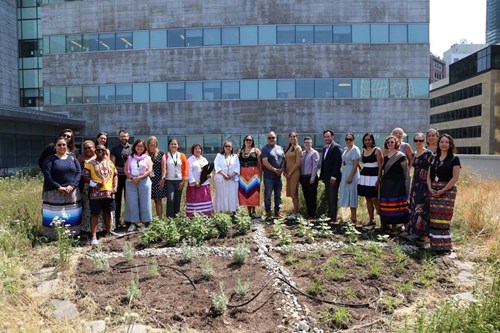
(418, 140)
(271, 137)
(99, 150)
(390, 142)
(61, 145)
(249, 140)
(348, 139)
(307, 142)
(87, 148)
(228, 146)
(66, 135)
(139, 146)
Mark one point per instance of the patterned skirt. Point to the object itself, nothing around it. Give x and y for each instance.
(249, 186)
(198, 200)
(61, 206)
(441, 213)
(86, 214)
(393, 202)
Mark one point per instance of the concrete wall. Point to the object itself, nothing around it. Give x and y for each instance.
(484, 166)
(9, 76)
(238, 62)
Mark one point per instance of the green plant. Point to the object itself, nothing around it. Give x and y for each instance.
(323, 230)
(291, 258)
(405, 287)
(219, 301)
(337, 273)
(376, 269)
(10, 274)
(401, 258)
(222, 223)
(375, 249)
(337, 319)
(160, 230)
(128, 251)
(64, 240)
(153, 268)
(188, 252)
(351, 232)
(240, 254)
(99, 260)
(281, 233)
(242, 288)
(206, 268)
(315, 287)
(133, 291)
(243, 223)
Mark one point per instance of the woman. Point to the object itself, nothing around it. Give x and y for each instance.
(405, 148)
(138, 187)
(174, 173)
(61, 195)
(348, 196)
(250, 169)
(441, 179)
(227, 171)
(371, 158)
(87, 156)
(198, 195)
(68, 136)
(102, 139)
(157, 193)
(418, 226)
(432, 136)
(392, 186)
(291, 170)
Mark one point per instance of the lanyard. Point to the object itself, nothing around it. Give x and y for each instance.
(173, 159)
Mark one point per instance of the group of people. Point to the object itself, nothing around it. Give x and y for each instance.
(86, 191)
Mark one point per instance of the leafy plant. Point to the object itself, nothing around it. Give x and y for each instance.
(153, 268)
(401, 258)
(315, 287)
(161, 231)
(291, 258)
(99, 260)
(335, 273)
(242, 288)
(133, 291)
(306, 229)
(206, 267)
(405, 287)
(323, 230)
(281, 233)
(240, 254)
(336, 319)
(376, 269)
(64, 240)
(243, 223)
(219, 301)
(375, 249)
(351, 232)
(223, 223)
(128, 251)
(188, 252)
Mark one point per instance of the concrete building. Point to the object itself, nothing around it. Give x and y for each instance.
(468, 107)
(437, 68)
(9, 78)
(459, 51)
(492, 22)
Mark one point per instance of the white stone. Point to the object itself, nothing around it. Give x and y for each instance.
(466, 278)
(62, 310)
(96, 326)
(303, 326)
(464, 297)
(46, 287)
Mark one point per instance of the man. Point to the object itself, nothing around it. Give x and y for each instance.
(272, 160)
(101, 175)
(331, 158)
(119, 155)
(309, 176)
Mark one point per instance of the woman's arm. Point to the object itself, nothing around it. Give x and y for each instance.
(163, 170)
(409, 154)
(298, 159)
(452, 182)
(184, 167)
(354, 170)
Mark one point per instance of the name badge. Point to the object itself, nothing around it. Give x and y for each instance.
(177, 176)
(436, 179)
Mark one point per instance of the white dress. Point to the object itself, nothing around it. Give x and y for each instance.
(226, 190)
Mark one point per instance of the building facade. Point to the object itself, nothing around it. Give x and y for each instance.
(9, 84)
(468, 107)
(437, 69)
(492, 22)
(191, 68)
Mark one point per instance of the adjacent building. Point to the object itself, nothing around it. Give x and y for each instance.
(468, 106)
(492, 22)
(437, 69)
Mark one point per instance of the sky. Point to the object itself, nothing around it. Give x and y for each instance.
(454, 20)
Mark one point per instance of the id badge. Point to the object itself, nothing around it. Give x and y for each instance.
(436, 179)
(177, 176)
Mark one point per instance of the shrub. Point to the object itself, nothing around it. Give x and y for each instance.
(219, 301)
(240, 254)
(243, 223)
(223, 224)
(242, 288)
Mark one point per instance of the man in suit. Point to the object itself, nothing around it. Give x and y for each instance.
(331, 161)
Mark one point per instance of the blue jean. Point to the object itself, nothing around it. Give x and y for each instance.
(138, 201)
(270, 185)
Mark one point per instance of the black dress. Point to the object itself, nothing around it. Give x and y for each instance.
(156, 192)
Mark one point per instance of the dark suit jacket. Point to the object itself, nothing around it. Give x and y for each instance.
(330, 167)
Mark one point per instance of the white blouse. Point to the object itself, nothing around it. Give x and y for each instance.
(195, 166)
(228, 165)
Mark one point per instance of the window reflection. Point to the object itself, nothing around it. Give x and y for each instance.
(74, 95)
(106, 42)
(74, 43)
(124, 41)
(211, 90)
(360, 33)
(342, 88)
(304, 88)
(286, 88)
(175, 91)
(230, 36)
(158, 39)
(380, 88)
(90, 43)
(141, 92)
(230, 90)
(158, 92)
(398, 88)
(90, 94)
(304, 34)
(194, 91)
(285, 34)
(107, 94)
(398, 33)
(323, 88)
(323, 34)
(249, 89)
(267, 89)
(267, 34)
(211, 36)
(379, 33)
(342, 33)
(194, 37)
(176, 38)
(248, 35)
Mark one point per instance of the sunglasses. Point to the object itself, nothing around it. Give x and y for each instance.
(228, 146)
(271, 137)
(100, 150)
(418, 140)
(249, 140)
(66, 135)
(348, 139)
(87, 148)
(391, 142)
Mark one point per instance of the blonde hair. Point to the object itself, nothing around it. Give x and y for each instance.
(153, 140)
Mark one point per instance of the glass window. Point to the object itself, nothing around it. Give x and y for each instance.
(90, 94)
(211, 36)
(90, 43)
(418, 33)
(29, 29)
(398, 88)
(267, 89)
(29, 13)
(286, 88)
(379, 33)
(285, 34)
(194, 37)
(57, 95)
(342, 33)
(361, 33)
(46, 45)
(361, 88)
(212, 144)
(175, 91)
(158, 39)
(73, 95)
(230, 36)
(304, 33)
(323, 88)
(46, 96)
(380, 88)
(107, 94)
(398, 33)
(267, 34)
(249, 89)
(124, 41)
(140, 39)
(194, 91)
(418, 88)
(323, 34)
(141, 92)
(342, 88)
(74, 43)
(29, 63)
(176, 38)
(29, 48)
(106, 42)
(230, 90)
(124, 93)
(248, 35)
(158, 92)
(57, 44)
(31, 78)
(304, 88)
(211, 90)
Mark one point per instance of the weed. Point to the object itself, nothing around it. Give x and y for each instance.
(242, 288)
(128, 251)
(401, 258)
(405, 288)
(64, 240)
(188, 252)
(348, 293)
(323, 230)
(133, 291)
(240, 254)
(335, 273)
(206, 268)
(338, 319)
(99, 260)
(306, 229)
(351, 232)
(291, 258)
(333, 262)
(219, 301)
(376, 269)
(10, 274)
(315, 287)
(153, 268)
(375, 249)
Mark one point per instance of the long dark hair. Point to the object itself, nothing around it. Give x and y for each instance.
(290, 144)
(70, 145)
(369, 134)
(134, 151)
(246, 137)
(451, 150)
(99, 135)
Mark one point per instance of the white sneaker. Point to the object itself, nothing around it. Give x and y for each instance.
(143, 227)
(131, 227)
(94, 241)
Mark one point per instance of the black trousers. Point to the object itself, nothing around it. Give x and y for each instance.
(310, 194)
(120, 191)
(332, 198)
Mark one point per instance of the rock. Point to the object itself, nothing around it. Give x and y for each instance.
(46, 273)
(138, 328)
(303, 326)
(453, 255)
(464, 265)
(464, 297)
(96, 326)
(466, 278)
(62, 310)
(46, 287)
